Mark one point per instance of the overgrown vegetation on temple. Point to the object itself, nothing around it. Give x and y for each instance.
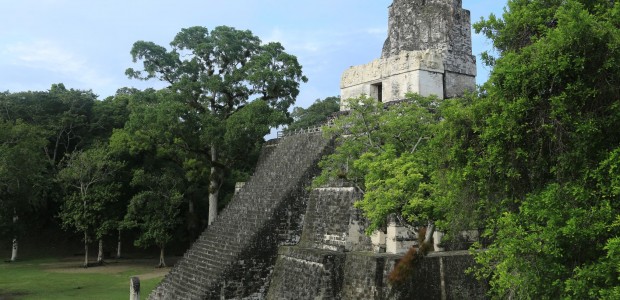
(532, 159)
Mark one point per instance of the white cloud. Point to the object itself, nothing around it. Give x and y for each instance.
(321, 41)
(293, 42)
(46, 55)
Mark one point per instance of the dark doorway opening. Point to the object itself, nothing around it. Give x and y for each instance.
(376, 91)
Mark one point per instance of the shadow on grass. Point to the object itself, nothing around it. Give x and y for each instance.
(13, 295)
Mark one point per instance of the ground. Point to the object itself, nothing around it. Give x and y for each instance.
(64, 278)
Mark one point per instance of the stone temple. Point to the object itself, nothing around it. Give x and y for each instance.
(427, 51)
(277, 239)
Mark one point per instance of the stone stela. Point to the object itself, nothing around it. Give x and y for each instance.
(428, 51)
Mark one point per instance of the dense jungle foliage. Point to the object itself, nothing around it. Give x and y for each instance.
(155, 164)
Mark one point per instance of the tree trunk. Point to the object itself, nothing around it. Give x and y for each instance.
(430, 229)
(100, 253)
(14, 251)
(427, 245)
(192, 222)
(162, 262)
(15, 244)
(118, 245)
(213, 195)
(214, 187)
(85, 233)
(85, 249)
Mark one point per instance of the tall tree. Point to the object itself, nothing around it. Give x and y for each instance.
(159, 136)
(108, 115)
(22, 175)
(155, 209)
(537, 152)
(217, 73)
(87, 179)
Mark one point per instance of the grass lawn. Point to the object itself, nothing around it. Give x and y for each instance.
(64, 278)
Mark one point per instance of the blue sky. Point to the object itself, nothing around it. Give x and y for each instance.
(86, 44)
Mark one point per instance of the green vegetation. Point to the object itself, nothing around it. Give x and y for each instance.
(316, 114)
(213, 75)
(532, 160)
(547, 151)
(384, 152)
(90, 189)
(65, 279)
(150, 166)
(22, 167)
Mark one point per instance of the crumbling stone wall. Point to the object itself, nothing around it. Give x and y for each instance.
(431, 24)
(307, 274)
(321, 268)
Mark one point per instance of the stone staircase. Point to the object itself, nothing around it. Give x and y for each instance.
(235, 256)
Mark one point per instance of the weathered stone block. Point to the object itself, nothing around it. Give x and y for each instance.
(332, 223)
(456, 84)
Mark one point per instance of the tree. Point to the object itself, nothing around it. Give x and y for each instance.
(87, 179)
(155, 209)
(159, 136)
(67, 120)
(384, 151)
(215, 74)
(533, 155)
(64, 114)
(22, 170)
(388, 151)
(108, 115)
(316, 114)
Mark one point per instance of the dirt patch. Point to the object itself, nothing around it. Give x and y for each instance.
(146, 267)
(158, 272)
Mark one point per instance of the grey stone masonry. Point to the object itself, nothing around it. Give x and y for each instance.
(428, 51)
(307, 274)
(335, 260)
(332, 222)
(432, 25)
(234, 257)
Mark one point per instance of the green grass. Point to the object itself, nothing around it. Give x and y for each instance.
(63, 279)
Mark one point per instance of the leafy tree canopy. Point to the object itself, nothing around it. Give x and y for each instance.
(537, 148)
(316, 114)
(217, 74)
(383, 151)
(22, 172)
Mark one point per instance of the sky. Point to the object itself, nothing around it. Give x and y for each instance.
(85, 44)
